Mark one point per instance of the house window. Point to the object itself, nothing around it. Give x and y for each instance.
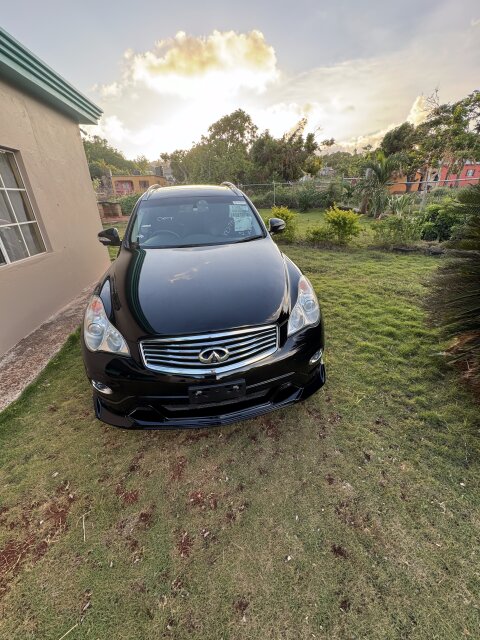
(143, 184)
(123, 187)
(20, 236)
(470, 173)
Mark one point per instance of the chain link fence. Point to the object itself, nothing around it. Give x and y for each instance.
(323, 192)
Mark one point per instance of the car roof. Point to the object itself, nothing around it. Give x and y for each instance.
(187, 190)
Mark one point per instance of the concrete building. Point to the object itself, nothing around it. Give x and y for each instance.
(124, 185)
(468, 175)
(49, 219)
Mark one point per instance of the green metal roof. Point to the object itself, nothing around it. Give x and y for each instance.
(23, 69)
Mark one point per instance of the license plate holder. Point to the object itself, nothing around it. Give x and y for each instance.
(206, 394)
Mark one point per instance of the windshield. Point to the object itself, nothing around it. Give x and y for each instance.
(194, 221)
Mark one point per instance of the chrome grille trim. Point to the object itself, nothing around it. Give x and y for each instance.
(179, 354)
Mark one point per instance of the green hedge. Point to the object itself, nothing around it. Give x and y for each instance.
(128, 202)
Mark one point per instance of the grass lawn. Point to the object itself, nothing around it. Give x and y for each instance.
(353, 515)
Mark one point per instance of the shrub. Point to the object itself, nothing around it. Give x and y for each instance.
(261, 200)
(401, 205)
(455, 300)
(395, 230)
(290, 218)
(285, 196)
(302, 197)
(311, 197)
(128, 202)
(307, 197)
(320, 235)
(440, 221)
(343, 224)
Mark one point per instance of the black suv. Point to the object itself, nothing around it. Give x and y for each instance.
(201, 320)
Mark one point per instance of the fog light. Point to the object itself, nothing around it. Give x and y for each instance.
(99, 386)
(317, 356)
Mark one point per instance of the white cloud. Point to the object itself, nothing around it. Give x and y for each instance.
(167, 97)
(187, 65)
(419, 111)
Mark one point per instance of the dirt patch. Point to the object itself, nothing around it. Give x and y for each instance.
(129, 527)
(271, 429)
(193, 437)
(177, 585)
(177, 467)
(241, 605)
(38, 533)
(145, 519)
(199, 499)
(128, 497)
(330, 479)
(345, 605)
(334, 418)
(135, 463)
(184, 545)
(351, 514)
(339, 552)
(234, 512)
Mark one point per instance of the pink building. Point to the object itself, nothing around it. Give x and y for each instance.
(470, 174)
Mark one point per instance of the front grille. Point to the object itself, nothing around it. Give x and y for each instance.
(180, 354)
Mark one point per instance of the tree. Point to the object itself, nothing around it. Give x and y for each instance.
(284, 159)
(312, 165)
(403, 141)
(379, 170)
(103, 158)
(399, 140)
(450, 135)
(344, 163)
(222, 155)
(235, 128)
(142, 163)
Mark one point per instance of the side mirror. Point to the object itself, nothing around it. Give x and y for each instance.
(276, 225)
(110, 237)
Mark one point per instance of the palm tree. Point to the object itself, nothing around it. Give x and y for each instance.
(379, 170)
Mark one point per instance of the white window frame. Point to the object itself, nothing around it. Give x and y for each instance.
(18, 224)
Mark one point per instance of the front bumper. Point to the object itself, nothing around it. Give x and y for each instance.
(143, 399)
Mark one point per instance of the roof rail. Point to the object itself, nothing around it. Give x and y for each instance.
(234, 188)
(150, 190)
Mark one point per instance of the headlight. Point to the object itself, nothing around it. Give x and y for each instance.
(99, 333)
(306, 310)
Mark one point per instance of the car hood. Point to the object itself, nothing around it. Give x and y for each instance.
(198, 289)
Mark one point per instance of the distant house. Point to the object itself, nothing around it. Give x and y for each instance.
(469, 174)
(48, 215)
(124, 185)
(327, 171)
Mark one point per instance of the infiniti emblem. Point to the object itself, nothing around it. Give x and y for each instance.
(210, 356)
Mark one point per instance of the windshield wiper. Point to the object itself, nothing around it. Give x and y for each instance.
(247, 239)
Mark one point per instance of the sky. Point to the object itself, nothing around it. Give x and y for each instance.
(163, 72)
